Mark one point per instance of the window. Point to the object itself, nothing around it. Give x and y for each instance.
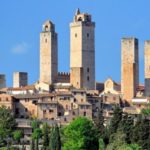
(7, 99)
(46, 28)
(26, 110)
(45, 40)
(88, 78)
(50, 111)
(73, 113)
(79, 19)
(66, 107)
(81, 100)
(88, 69)
(84, 113)
(88, 35)
(76, 35)
(44, 111)
(65, 119)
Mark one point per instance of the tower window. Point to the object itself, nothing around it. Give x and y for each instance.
(88, 69)
(88, 78)
(76, 35)
(88, 35)
(46, 28)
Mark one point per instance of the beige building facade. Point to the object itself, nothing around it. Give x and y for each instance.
(147, 67)
(129, 68)
(82, 51)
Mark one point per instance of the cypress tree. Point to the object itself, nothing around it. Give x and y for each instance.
(99, 123)
(126, 125)
(45, 131)
(115, 121)
(55, 142)
(32, 146)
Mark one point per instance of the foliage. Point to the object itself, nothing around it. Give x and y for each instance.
(17, 135)
(146, 111)
(7, 122)
(115, 121)
(141, 132)
(32, 145)
(45, 132)
(35, 124)
(80, 135)
(101, 144)
(55, 141)
(99, 123)
(126, 125)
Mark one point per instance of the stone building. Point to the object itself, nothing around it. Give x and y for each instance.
(147, 67)
(48, 53)
(129, 68)
(82, 51)
(20, 79)
(2, 81)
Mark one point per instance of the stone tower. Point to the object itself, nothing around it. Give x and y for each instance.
(147, 67)
(2, 81)
(82, 51)
(48, 53)
(20, 79)
(129, 68)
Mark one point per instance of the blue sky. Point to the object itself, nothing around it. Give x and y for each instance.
(21, 22)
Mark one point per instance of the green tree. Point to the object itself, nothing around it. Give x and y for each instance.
(32, 145)
(35, 124)
(141, 132)
(7, 124)
(101, 144)
(80, 135)
(116, 141)
(17, 135)
(99, 123)
(127, 125)
(37, 133)
(115, 121)
(45, 132)
(55, 141)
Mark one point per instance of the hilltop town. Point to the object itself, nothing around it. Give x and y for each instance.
(60, 97)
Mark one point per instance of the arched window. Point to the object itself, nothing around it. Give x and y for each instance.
(79, 19)
(88, 69)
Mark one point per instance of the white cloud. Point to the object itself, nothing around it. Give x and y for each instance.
(20, 48)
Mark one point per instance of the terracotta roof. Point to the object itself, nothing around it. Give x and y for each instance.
(140, 88)
(33, 96)
(29, 87)
(67, 93)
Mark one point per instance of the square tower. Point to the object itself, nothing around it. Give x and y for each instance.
(2, 81)
(147, 67)
(48, 53)
(20, 79)
(129, 68)
(82, 51)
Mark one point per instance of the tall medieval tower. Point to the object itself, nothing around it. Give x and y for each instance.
(129, 68)
(48, 53)
(82, 47)
(147, 67)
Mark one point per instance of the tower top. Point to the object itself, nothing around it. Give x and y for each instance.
(82, 17)
(77, 12)
(48, 26)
